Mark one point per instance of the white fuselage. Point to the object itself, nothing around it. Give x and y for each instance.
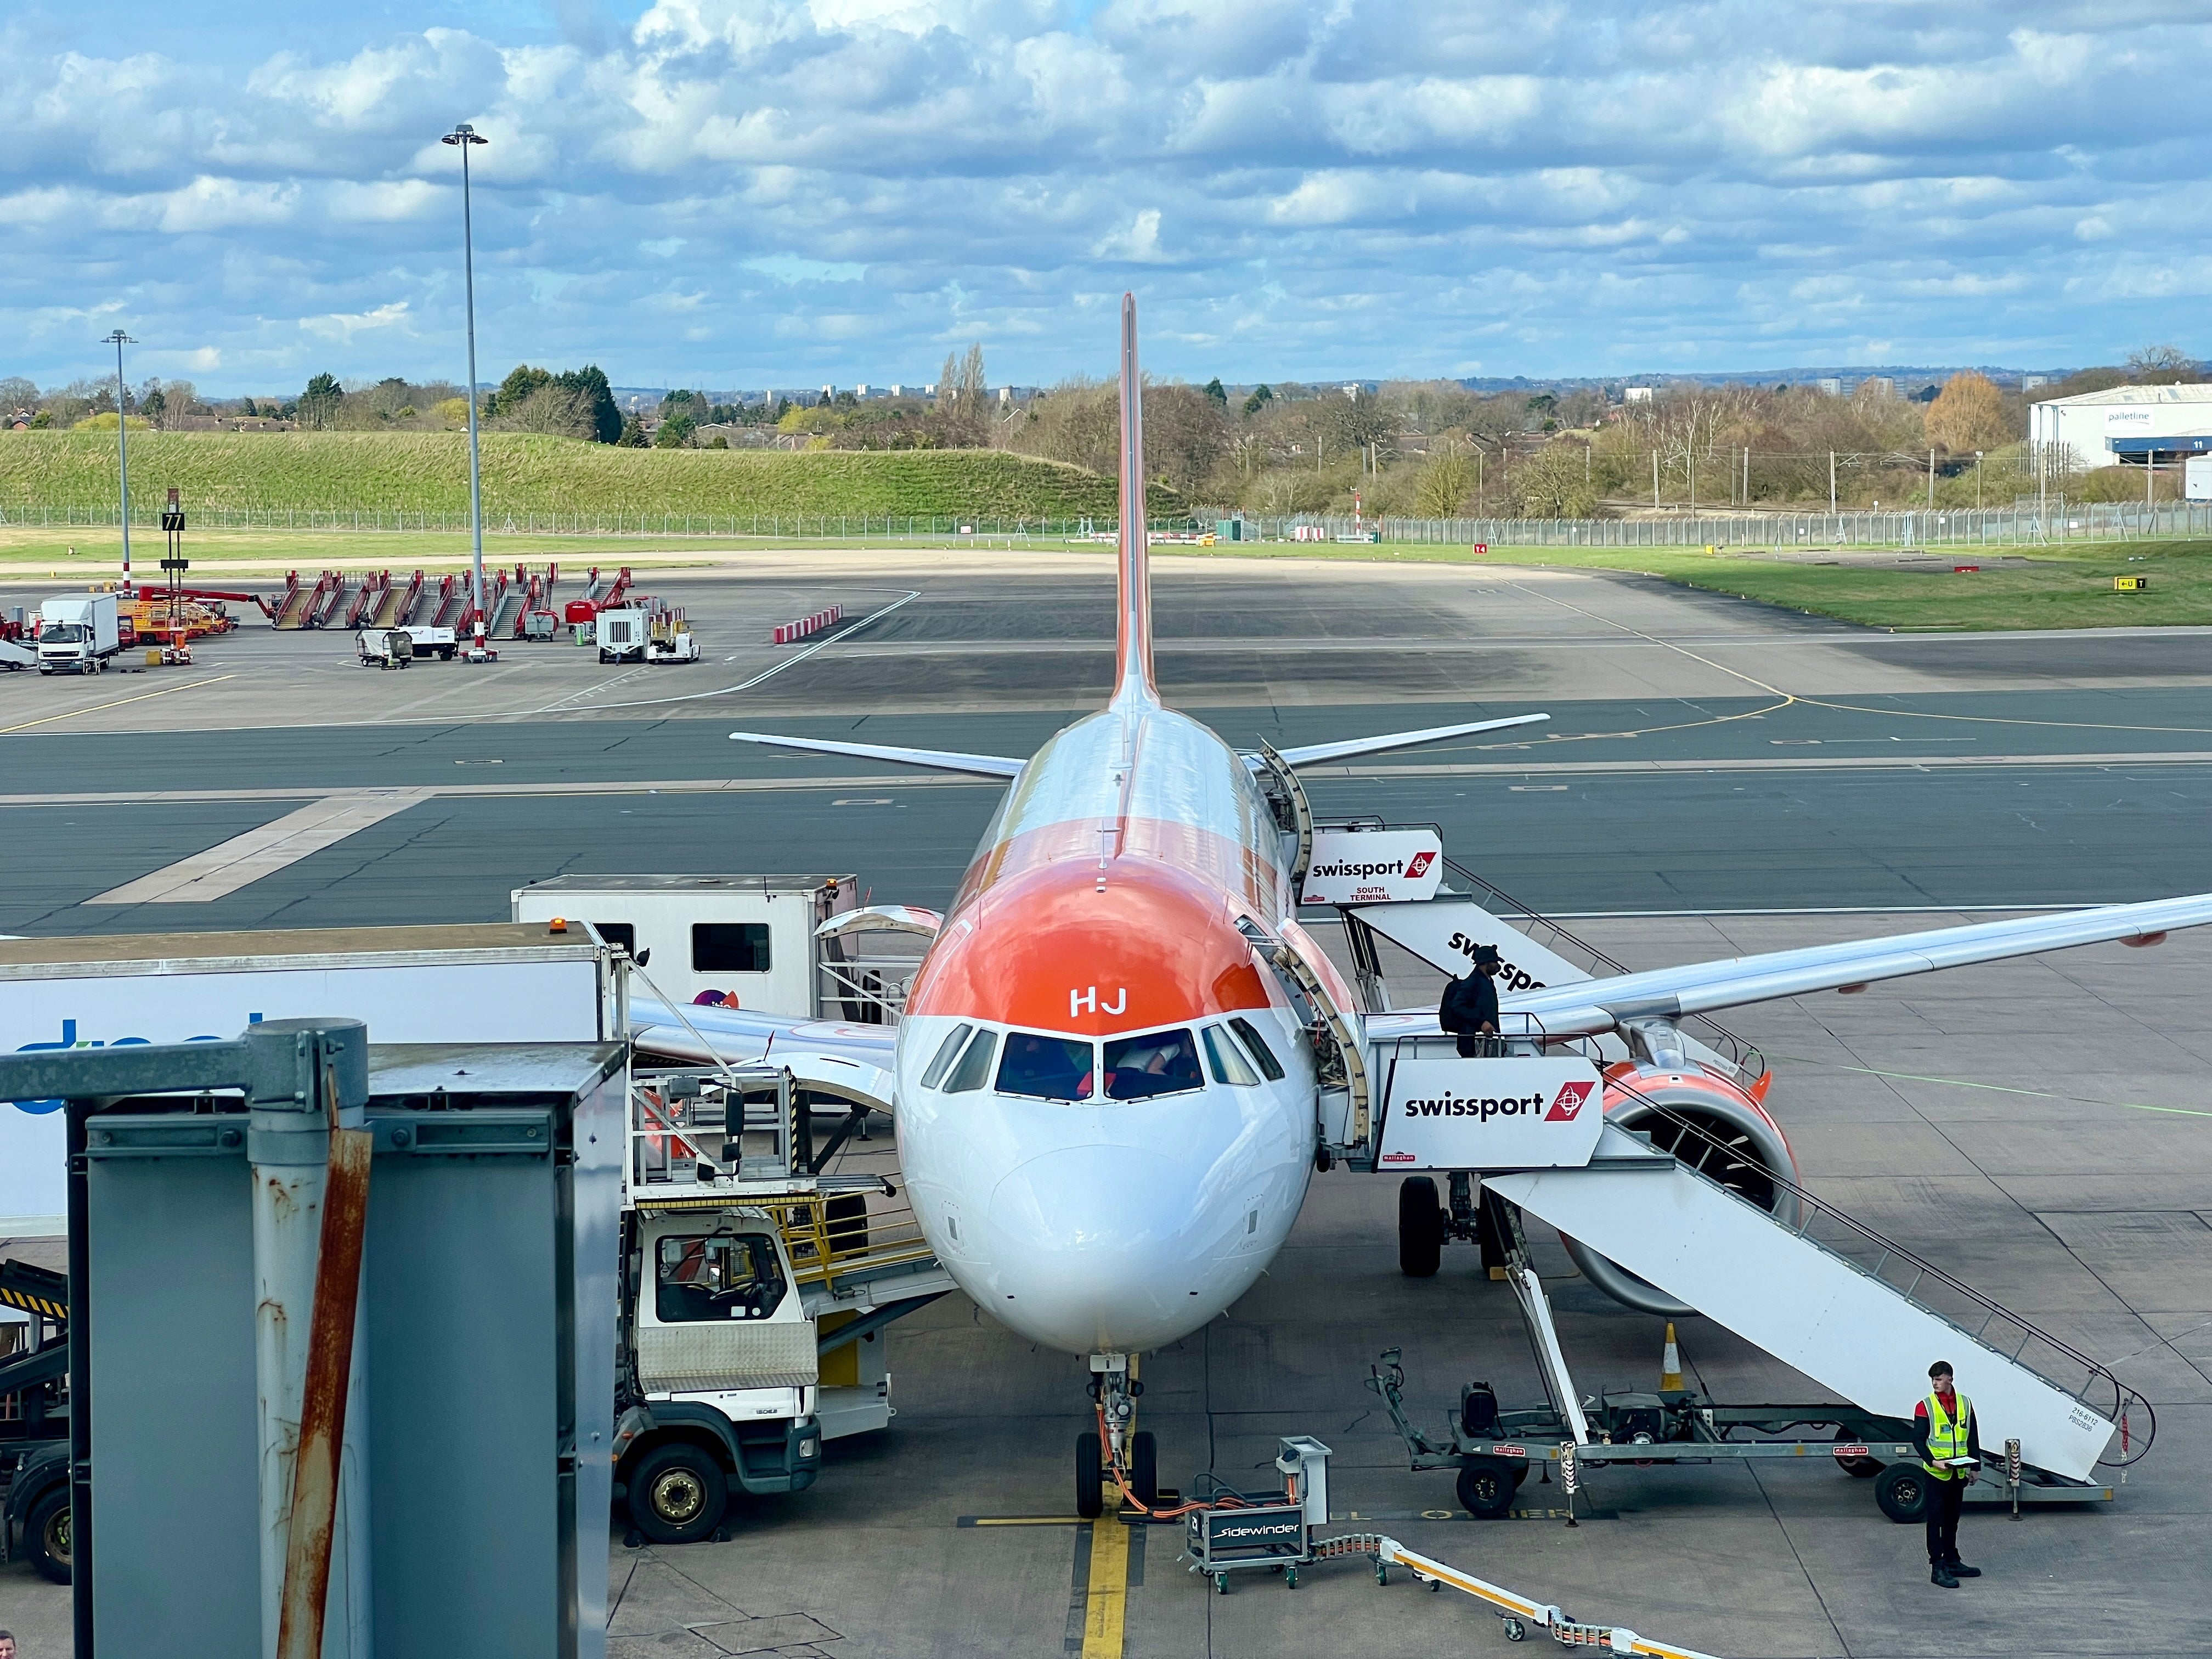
(1102, 907)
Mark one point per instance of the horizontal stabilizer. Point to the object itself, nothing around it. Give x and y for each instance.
(1313, 754)
(944, 760)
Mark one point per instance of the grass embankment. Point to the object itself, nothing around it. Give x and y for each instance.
(413, 473)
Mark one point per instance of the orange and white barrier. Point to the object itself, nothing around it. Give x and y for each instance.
(790, 633)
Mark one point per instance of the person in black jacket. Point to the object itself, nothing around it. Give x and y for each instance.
(1469, 1010)
(1945, 1430)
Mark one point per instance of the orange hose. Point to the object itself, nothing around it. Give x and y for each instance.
(1130, 1498)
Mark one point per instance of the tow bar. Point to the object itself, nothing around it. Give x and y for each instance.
(1517, 1611)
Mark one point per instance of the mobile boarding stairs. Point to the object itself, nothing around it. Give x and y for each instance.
(1525, 1131)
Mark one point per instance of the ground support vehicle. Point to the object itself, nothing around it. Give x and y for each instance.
(672, 640)
(384, 647)
(78, 635)
(34, 1512)
(756, 1288)
(394, 647)
(34, 1517)
(1494, 1450)
(622, 634)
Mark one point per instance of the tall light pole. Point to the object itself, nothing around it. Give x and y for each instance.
(118, 340)
(465, 136)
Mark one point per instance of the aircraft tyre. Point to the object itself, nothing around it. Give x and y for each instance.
(1901, 1490)
(1420, 1228)
(1090, 1470)
(678, 1493)
(1486, 1486)
(1145, 1467)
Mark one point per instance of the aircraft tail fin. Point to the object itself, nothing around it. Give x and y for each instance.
(1132, 645)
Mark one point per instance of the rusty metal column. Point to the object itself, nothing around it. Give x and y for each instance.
(288, 1146)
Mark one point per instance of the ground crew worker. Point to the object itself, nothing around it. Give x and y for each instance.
(1469, 1010)
(1943, 1431)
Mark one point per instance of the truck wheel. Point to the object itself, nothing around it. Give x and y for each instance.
(1089, 1502)
(1485, 1487)
(46, 1535)
(1901, 1490)
(678, 1493)
(1145, 1467)
(1420, 1228)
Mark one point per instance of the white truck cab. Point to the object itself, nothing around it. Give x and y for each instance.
(721, 1373)
(78, 633)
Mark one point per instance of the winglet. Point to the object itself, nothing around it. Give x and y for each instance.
(1133, 644)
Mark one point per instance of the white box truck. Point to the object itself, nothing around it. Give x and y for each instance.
(486, 983)
(78, 632)
(747, 937)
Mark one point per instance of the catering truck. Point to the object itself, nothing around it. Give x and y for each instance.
(78, 632)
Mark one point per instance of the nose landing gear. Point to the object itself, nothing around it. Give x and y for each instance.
(1116, 1450)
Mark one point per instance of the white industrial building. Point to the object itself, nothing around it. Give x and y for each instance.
(2094, 425)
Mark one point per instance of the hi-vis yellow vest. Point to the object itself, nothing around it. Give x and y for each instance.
(1947, 1436)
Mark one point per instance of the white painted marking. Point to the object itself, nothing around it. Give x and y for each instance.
(245, 859)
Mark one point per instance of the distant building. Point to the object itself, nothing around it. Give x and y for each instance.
(1878, 385)
(898, 391)
(861, 390)
(1636, 394)
(1829, 386)
(2087, 429)
(2030, 382)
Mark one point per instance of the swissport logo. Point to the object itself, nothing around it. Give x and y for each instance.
(1363, 871)
(1569, 1102)
(1419, 866)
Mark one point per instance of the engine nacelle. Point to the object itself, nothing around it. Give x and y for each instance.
(1713, 1126)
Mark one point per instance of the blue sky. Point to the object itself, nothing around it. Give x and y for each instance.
(756, 192)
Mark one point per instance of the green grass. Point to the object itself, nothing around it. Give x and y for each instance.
(2069, 585)
(416, 473)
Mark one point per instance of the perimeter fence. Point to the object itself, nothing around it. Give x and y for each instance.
(2025, 523)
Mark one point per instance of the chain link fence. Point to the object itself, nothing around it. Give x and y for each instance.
(2024, 523)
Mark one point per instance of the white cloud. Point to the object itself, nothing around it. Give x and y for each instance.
(1544, 189)
(342, 327)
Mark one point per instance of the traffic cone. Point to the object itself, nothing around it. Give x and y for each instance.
(1670, 1362)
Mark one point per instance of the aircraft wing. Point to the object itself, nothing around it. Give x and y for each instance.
(854, 1061)
(1313, 754)
(1601, 1004)
(945, 760)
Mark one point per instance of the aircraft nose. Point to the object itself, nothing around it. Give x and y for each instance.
(1096, 1249)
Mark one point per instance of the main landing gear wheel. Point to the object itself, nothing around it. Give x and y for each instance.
(1420, 1228)
(1901, 1490)
(1145, 1467)
(1090, 1501)
(1486, 1486)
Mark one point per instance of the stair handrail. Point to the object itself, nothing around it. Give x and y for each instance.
(1715, 1035)
(2095, 1369)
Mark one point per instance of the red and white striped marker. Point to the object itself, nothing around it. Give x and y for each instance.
(791, 633)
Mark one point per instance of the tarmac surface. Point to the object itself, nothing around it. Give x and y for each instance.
(2039, 1129)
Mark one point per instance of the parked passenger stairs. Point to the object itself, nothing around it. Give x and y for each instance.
(1850, 1308)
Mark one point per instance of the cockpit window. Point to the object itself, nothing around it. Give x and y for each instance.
(1260, 1051)
(717, 1277)
(943, 1063)
(1227, 1060)
(1157, 1063)
(975, 1066)
(1052, 1068)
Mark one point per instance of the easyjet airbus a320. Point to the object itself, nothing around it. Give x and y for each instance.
(1109, 1066)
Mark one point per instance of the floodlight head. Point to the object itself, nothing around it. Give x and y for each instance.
(465, 133)
(119, 338)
